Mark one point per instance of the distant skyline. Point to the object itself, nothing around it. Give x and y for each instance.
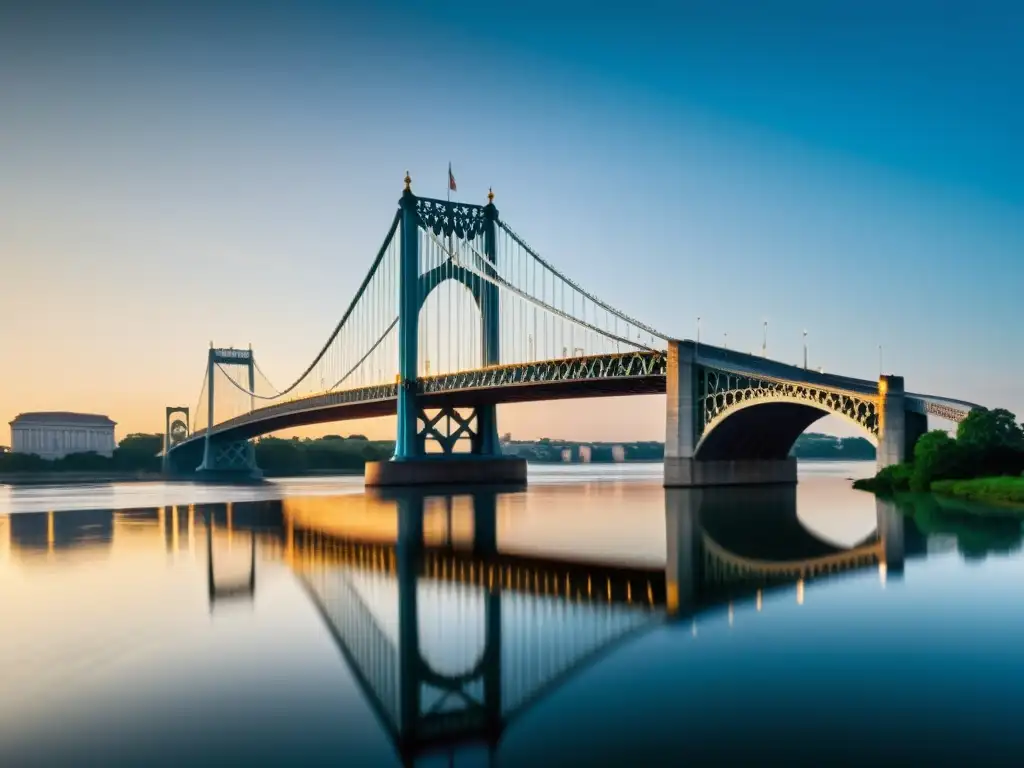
(181, 173)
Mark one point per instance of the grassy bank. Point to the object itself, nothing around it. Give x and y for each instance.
(992, 490)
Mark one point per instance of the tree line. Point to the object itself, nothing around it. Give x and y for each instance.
(140, 452)
(988, 443)
(135, 453)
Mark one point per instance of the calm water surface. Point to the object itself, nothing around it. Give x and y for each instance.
(594, 619)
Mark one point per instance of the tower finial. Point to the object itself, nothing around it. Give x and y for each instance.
(408, 182)
(490, 195)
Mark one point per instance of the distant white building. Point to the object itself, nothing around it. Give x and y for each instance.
(54, 434)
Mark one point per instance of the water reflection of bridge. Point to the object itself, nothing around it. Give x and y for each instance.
(452, 639)
(527, 625)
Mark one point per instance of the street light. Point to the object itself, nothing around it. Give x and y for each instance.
(698, 329)
(764, 341)
(805, 349)
(726, 335)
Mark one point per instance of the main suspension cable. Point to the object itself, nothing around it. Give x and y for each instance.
(502, 283)
(597, 301)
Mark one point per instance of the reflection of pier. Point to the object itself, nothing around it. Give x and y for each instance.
(725, 543)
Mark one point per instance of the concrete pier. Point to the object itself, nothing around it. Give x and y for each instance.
(899, 428)
(447, 470)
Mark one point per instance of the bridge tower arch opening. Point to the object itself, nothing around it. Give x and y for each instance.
(453, 332)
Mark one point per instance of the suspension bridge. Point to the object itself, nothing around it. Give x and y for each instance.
(458, 314)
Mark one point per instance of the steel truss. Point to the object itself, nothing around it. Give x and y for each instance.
(722, 392)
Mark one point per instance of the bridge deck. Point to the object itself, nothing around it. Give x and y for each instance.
(629, 373)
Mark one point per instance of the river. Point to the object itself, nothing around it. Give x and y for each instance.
(592, 619)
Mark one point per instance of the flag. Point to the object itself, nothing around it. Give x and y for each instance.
(451, 179)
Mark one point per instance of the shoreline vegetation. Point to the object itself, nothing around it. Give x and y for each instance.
(983, 463)
(137, 456)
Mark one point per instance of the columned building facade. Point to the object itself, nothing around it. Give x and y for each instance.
(54, 434)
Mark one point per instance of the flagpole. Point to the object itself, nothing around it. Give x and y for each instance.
(448, 181)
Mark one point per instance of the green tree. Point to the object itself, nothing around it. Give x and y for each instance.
(993, 442)
(24, 462)
(281, 457)
(139, 452)
(937, 456)
(984, 429)
(86, 461)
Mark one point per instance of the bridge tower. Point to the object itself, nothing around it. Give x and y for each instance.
(175, 431)
(412, 464)
(227, 458)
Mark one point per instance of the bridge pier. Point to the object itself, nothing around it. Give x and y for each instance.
(228, 461)
(898, 428)
(447, 470)
(683, 469)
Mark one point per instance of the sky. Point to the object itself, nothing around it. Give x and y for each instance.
(179, 173)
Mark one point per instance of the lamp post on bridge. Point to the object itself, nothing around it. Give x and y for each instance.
(805, 349)
(764, 341)
(698, 329)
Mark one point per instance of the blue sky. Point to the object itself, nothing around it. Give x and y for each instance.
(182, 173)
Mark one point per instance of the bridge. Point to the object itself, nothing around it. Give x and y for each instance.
(458, 314)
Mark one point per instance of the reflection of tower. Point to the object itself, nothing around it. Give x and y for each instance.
(472, 718)
(235, 589)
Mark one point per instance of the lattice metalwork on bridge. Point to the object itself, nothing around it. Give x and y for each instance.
(575, 583)
(626, 365)
(943, 411)
(722, 392)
